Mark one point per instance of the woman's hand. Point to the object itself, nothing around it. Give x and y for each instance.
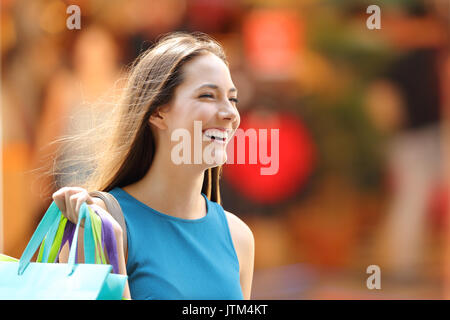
(69, 200)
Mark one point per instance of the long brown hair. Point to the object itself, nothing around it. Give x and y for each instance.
(119, 147)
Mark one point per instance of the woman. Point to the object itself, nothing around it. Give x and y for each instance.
(181, 243)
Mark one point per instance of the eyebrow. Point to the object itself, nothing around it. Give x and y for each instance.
(213, 86)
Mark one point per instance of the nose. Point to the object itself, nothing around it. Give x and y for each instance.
(228, 112)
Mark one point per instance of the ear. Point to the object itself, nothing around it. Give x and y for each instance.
(159, 118)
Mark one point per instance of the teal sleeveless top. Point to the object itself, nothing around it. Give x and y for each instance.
(171, 258)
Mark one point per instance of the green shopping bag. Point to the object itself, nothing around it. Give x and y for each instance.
(4, 257)
(43, 281)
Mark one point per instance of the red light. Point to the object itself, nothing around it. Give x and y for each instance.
(296, 160)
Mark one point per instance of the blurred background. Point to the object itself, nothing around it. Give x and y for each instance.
(364, 159)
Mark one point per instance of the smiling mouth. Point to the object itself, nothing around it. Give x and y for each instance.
(216, 139)
(215, 135)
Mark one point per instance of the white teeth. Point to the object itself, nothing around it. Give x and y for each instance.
(216, 133)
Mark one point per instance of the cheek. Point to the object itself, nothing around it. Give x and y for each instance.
(180, 116)
(201, 112)
(191, 117)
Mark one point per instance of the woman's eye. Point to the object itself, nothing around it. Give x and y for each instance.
(235, 100)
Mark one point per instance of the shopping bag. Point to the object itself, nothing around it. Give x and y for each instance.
(104, 240)
(42, 280)
(4, 257)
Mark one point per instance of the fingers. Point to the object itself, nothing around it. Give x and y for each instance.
(59, 199)
(69, 201)
(79, 198)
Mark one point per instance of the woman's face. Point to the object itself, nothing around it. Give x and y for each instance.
(204, 108)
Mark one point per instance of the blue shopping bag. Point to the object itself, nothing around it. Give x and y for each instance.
(26, 280)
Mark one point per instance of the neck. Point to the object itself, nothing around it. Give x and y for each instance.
(171, 189)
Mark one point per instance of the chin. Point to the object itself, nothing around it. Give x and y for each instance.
(218, 158)
(214, 155)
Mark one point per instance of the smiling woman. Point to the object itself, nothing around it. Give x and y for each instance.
(182, 244)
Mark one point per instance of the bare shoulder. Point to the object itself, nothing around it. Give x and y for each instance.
(239, 229)
(242, 237)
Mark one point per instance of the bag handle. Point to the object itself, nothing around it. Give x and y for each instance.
(51, 217)
(55, 247)
(114, 209)
(45, 224)
(108, 237)
(104, 237)
(89, 243)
